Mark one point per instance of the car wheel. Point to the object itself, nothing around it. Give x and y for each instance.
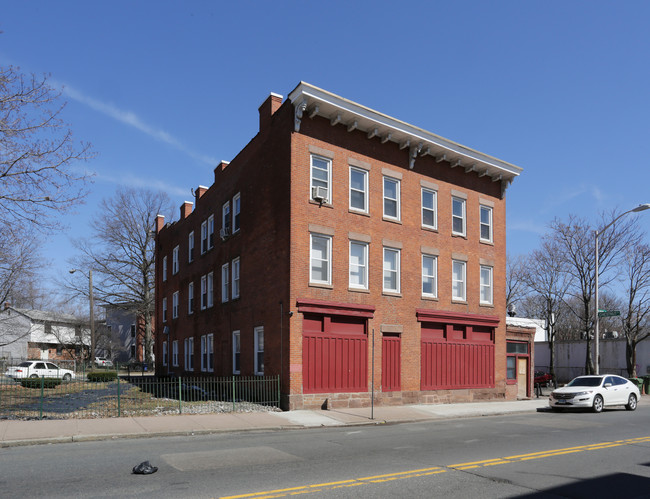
(631, 403)
(67, 377)
(598, 404)
(33, 375)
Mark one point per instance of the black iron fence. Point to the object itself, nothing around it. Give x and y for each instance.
(53, 398)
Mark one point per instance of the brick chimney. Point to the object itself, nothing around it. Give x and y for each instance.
(160, 222)
(186, 209)
(268, 108)
(200, 190)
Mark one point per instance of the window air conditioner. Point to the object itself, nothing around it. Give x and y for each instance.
(224, 232)
(166, 330)
(319, 194)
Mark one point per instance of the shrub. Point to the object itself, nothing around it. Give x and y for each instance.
(36, 382)
(97, 376)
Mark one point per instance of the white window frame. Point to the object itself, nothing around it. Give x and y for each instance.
(363, 191)
(432, 277)
(210, 232)
(236, 351)
(433, 209)
(486, 292)
(189, 354)
(395, 200)
(190, 247)
(175, 305)
(314, 182)
(164, 359)
(236, 212)
(226, 222)
(175, 265)
(235, 278)
(164, 268)
(454, 216)
(485, 209)
(204, 353)
(210, 352)
(258, 334)
(190, 298)
(225, 282)
(360, 269)
(175, 353)
(396, 271)
(204, 237)
(458, 284)
(164, 309)
(327, 260)
(210, 289)
(204, 292)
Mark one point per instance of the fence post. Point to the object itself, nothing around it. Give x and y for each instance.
(119, 408)
(40, 405)
(279, 394)
(180, 396)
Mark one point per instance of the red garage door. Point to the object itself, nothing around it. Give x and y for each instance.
(335, 354)
(457, 353)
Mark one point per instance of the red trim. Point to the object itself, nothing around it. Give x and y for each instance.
(335, 308)
(441, 316)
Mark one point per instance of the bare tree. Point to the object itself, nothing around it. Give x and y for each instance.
(38, 179)
(19, 261)
(546, 277)
(515, 289)
(575, 241)
(636, 315)
(121, 254)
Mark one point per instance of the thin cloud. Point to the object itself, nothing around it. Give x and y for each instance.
(134, 181)
(131, 119)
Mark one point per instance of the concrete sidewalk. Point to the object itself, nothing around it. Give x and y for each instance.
(15, 432)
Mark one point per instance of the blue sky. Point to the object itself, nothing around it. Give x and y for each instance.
(165, 89)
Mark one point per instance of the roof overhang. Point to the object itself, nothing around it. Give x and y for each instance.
(312, 101)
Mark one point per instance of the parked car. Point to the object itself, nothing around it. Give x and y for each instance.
(595, 393)
(543, 379)
(103, 362)
(37, 369)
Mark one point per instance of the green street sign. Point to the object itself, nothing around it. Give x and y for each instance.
(608, 313)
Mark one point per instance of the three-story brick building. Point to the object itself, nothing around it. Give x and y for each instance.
(339, 248)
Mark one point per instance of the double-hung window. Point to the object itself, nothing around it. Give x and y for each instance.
(429, 209)
(204, 353)
(225, 218)
(210, 285)
(190, 247)
(204, 292)
(258, 332)
(486, 285)
(175, 305)
(320, 259)
(189, 354)
(204, 237)
(391, 198)
(190, 298)
(391, 270)
(175, 353)
(210, 352)
(358, 265)
(236, 210)
(235, 278)
(164, 268)
(358, 190)
(429, 276)
(458, 272)
(225, 282)
(164, 359)
(211, 232)
(321, 177)
(458, 216)
(236, 352)
(175, 260)
(486, 223)
(164, 309)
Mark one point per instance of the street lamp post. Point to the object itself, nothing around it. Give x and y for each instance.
(92, 314)
(641, 207)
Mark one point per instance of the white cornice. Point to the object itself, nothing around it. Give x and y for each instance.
(311, 101)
